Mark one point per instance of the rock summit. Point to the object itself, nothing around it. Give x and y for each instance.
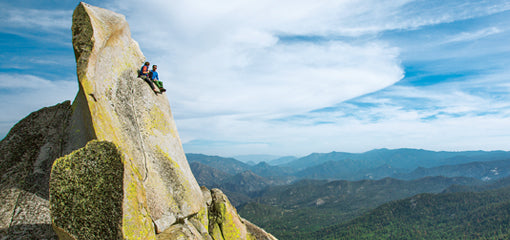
(118, 170)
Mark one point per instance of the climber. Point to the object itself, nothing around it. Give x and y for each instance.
(144, 74)
(153, 75)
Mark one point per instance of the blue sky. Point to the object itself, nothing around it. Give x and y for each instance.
(291, 77)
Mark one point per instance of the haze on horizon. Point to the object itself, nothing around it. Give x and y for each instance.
(291, 77)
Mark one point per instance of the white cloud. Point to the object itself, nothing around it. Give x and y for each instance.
(225, 59)
(229, 75)
(449, 116)
(283, 79)
(22, 94)
(49, 20)
(399, 129)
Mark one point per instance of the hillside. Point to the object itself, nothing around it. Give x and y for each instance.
(309, 205)
(240, 188)
(227, 165)
(465, 215)
(290, 210)
(347, 170)
(208, 176)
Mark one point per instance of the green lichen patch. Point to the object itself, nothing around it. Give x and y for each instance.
(86, 192)
(224, 216)
(215, 232)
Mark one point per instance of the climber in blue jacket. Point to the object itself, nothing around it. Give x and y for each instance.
(154, 76)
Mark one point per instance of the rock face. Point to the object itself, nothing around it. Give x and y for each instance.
(224, 221)
(126, 174)
(26, 156)
(114, 105)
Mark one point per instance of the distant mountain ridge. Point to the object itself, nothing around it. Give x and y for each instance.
(405, 158)
(376, 164)
(228, 165)
(233, 166)
(282, 160)
(256, 158)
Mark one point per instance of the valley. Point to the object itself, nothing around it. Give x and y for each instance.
(321, 196)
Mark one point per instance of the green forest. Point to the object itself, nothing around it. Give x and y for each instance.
(465, 199)
(462, 215)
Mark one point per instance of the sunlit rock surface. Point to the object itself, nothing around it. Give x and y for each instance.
(114, 105)
(118, 138)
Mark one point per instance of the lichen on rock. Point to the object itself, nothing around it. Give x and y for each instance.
(86, 192)
(225, 223)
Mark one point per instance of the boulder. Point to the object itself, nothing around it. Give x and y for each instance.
(26, 156)
(225, 223)
(86, 193)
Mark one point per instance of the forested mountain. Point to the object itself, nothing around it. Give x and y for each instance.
(292, 205)
(208, 176)
(491, 185)
(347, 170)
(309, 205)
(489, 170)
(227, 165)
(464, 215)
(241, 187)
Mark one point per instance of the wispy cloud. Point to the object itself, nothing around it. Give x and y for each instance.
(470, 36)
(53, 20)
(22, 94)
(51, 27)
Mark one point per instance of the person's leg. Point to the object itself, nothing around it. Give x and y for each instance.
(160, 85)
(146, 79)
